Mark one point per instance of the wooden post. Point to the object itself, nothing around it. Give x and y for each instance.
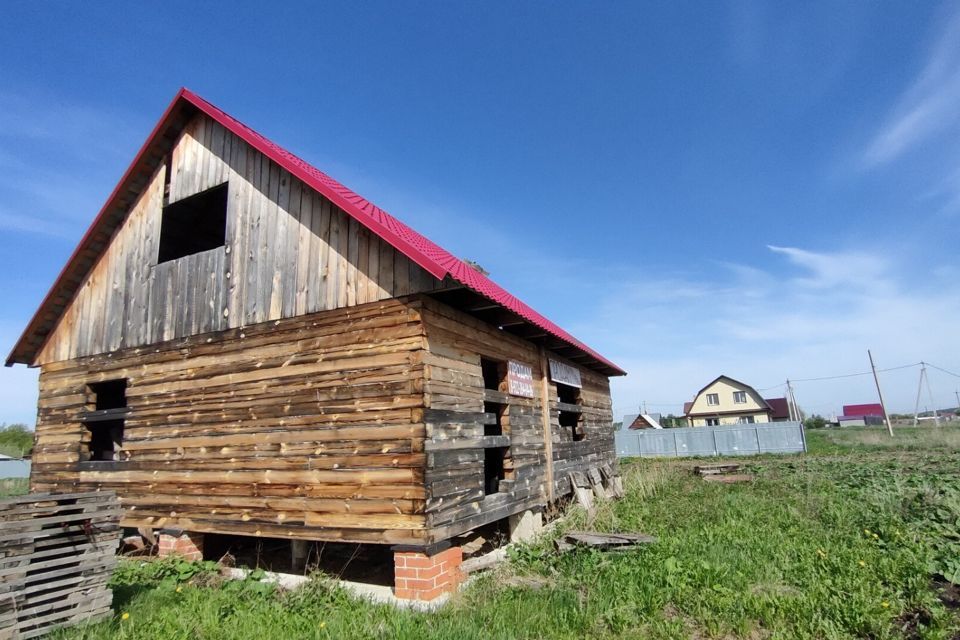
(547, 434)
(299, 549)
(880, 394)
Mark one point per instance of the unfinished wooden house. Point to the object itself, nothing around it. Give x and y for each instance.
(241, 345)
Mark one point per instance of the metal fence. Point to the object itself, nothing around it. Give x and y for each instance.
(725, 440)
(13, 468)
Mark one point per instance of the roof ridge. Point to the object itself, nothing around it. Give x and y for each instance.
(430, 256)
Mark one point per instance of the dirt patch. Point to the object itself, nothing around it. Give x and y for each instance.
(948, 592)
(909, 623)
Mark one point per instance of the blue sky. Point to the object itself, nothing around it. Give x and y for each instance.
(758, 189)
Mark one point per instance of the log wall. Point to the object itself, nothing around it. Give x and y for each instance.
(289, 251)
(454, 400)
(306, 428)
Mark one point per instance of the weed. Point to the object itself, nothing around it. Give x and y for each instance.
(10, 487)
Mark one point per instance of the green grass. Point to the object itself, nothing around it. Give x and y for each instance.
(841, 543)
(10, 487)
(864, 439)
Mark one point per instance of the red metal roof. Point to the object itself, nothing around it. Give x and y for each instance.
(859, 410)
(434, 259)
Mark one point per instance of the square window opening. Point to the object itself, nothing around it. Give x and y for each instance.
(493, 469)
(104, 420)
(194, 224)
(106, 440)
(713, 399)
(568, 394)
(111, 394)
(571, 420)
(498, 410)
(494, 373)
(740, 397)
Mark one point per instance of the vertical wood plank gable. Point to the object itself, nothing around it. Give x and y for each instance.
(288, 251)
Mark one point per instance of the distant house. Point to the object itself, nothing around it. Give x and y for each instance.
(861, 415)
(729, 401)
(642, 421)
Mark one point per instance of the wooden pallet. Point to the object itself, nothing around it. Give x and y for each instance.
(56, 554)
(715, 469)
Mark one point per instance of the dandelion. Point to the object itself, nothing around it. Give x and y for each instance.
(866, 531)
(323, 624)
(876, 537)
(885, 604)
(179, 589)
(124, 615)
(821, 553)
(861, 563)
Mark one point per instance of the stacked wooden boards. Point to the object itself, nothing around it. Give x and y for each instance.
(56, 554)
(361, 424)
(288, 251)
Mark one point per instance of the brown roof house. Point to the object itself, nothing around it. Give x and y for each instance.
(728, 401)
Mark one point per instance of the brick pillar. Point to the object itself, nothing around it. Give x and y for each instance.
(418, 576)
(181, 543)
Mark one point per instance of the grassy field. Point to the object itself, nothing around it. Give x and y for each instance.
(13, 487)
(844, 542)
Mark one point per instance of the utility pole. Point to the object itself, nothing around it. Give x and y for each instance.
(789, 404)
(933, 403)
(792, 407)
(880, 394)
(916, 407)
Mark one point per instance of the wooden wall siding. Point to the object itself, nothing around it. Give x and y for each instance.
(454, 397)
(289, 251)
(305, 428)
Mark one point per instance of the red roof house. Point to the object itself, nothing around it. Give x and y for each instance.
(242, 346)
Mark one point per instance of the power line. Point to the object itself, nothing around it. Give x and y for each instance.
(776, 386)
(854, 375)
(845, 375)
(950, 373)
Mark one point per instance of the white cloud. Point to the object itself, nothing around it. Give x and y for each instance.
(929, 106)
(675, 335)
(41, 137)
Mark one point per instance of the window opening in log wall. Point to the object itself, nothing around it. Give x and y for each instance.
(568, 418)
(497, 465)
(105, 419)
(194, 224)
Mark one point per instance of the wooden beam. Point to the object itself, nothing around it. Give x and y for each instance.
(545, 414)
